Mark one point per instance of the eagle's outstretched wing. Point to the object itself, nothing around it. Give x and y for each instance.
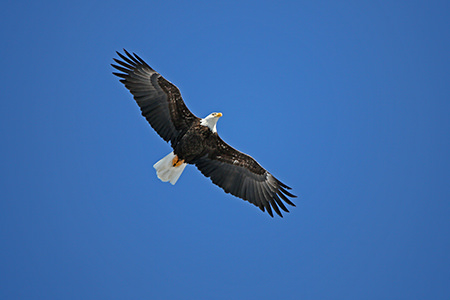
(160, 101)
(240, 175)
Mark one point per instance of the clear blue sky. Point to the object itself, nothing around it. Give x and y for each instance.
(348, 102)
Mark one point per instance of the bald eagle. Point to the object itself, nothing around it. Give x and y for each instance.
(195, 141)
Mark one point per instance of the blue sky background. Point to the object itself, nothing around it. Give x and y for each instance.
(348, 102)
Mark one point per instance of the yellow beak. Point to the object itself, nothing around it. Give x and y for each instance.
(218, 115)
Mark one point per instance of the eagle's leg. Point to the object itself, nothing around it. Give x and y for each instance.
(176, 162)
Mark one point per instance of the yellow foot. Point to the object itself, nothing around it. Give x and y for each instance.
(176, 162)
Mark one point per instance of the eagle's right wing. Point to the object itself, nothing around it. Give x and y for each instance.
(240, 175)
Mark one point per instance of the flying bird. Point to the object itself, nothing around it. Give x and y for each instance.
(196, 141)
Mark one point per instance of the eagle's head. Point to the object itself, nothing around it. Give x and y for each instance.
(211, 121)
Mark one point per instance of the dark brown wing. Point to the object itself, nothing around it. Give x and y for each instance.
(240, 175)
(160, 101)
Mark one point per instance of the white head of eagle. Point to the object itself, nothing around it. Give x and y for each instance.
(211, 121)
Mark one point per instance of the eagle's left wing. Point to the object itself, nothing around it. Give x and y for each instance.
(240, 175)
(159, 100)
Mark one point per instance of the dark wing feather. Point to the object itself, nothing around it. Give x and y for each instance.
(240, 175)
(159, 100)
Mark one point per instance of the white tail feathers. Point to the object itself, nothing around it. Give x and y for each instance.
(166, 171)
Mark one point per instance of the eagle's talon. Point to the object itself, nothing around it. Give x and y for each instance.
(176, 162)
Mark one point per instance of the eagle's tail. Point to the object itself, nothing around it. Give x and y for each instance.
(166, 171)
